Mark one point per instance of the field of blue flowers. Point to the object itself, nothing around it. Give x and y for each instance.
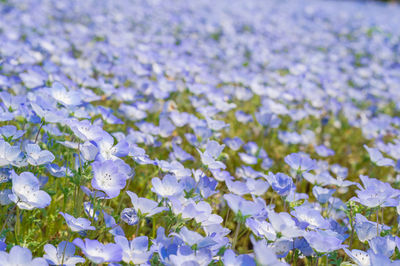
(185, 133)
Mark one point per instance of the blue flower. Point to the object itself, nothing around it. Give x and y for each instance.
(109, 177)
(167, 187)
(64, 254)
(135, 251)
(9, 155)
(300, 162)
(77, 224)
(245, 207)
(265, 255)
(281, 183)
(322, 194)
(26, 192)
(20, 256)
(98, 252)
(36, 156)
(143, 206)
(129, 216)
(11, 132)
(377, 157)
(324, 241)
(323, 151)
(230, 259)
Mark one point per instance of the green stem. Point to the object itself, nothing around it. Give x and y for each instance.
(17, 225)
(37, 135)
(377, 222)
(236, 235)
(137, 228)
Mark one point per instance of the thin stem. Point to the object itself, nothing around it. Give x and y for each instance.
(37, 134)
(123, 193)
(377, 221)
(226, 216)
(63, 255)
(17, 225)
(352, 228)
(154, 227)
(236, 235)
(137, 228)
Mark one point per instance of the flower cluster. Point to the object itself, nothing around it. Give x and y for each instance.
(199, 132)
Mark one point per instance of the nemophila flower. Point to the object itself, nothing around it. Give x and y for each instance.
(237, 187)
(267, 119)
(194, 239)
(98, 252)
(90, 211)
(282, 247)
(257, 187)
(383, 245)
(4, 175)
(213, 150)
(365, 229)
(380, 259)
(46, 110)
(135, 251)
(265, 255)
(129, 216)
(36, 156)
(243, 117)
(186, 256)
(261, 228)
(302, 244)
(242, 206)
(64, 254)
(89, 151)
(175, 168)
(216, 125)
(9, 155)
(109, 177)
(322, 194)
(139, 155)
(376, 193)
(107, 150)
(167, 187)
(207, 186)
(230, 259)
(144, 207)
(358, 256)
(85, 130)
(180, 154)
(19, 256)
(108, 116)
(114, 228)
(4, 196)
(281, 183)
(26, 192)
(200, 211)
(64, 96)
(324, 241)
(324, 151)
(300, 162)
(284, 224)
(11, 132)
(94, 194)
(77, 224)
(377, 157)
(3, 245)
(312, 218)
(56, 170)
(247, 158)
(234, 143)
